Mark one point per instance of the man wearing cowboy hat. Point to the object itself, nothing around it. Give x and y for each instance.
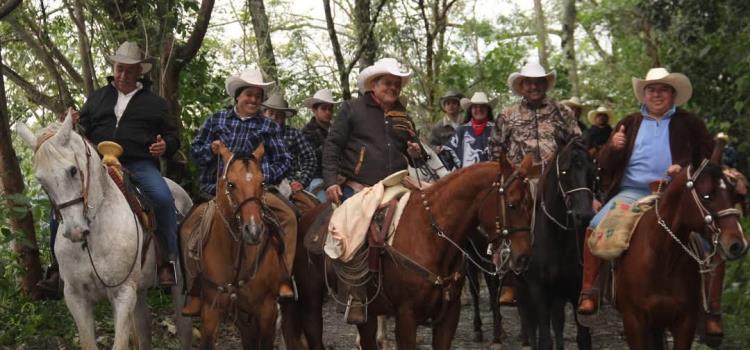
(371, 138)
(600, 130)
(127, 112)
(316, 130)
(242, 128)
(303, 155)
(659, 139)
(536, 123)
(575, 105)
(470, 144)
(446, 127)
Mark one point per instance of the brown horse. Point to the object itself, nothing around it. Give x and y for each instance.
(240, 270)
(433, 226)
(657, 281)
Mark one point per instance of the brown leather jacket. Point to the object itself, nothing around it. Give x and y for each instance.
(689, 142)
(363, 145)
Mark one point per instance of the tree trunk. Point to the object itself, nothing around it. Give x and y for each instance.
(263, 39)
(364, 25)
(541, 33)
(340, 64)
(569, 43)
(84, 46)
(11, 183)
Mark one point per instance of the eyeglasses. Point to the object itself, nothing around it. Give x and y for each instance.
(395, 83)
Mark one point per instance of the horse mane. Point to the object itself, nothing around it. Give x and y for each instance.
(44, 151)
(448, 185)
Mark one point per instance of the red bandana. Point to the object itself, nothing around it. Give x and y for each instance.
(478, 126)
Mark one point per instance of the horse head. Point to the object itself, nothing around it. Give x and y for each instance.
(712, 198)
(241, 184)
(62, 164)
(574, 176)
(506, 216)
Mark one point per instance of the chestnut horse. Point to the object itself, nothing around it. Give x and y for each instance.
(433, 226)
(657, 280)
(240, 270)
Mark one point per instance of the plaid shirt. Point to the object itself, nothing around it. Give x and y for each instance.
(240, 136)
(304, 160)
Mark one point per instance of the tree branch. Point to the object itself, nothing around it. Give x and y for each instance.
(190, 49)
(75, 11)
(343, 74)
(597, 46)
(32, 93)
(8, 7)
(361, 47)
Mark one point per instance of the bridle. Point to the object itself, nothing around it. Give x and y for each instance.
(709, 219)
(234, 206)
(566, 194)
(83, 197)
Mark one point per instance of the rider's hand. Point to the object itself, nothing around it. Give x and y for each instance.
(215, 146)
(596, 205)
(334, 193)
(296, 186)
(618, 140)
(158, 148)
(413, 149)
(673, 170)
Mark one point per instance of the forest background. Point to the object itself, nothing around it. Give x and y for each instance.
(53, 53)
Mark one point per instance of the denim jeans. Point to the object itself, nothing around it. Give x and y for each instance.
(148, 178)
(627, 195)
(316, 188)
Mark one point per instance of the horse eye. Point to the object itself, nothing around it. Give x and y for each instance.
(72, 171)
(511, 206)
(706, 197)
(564, 172)
(230, 185)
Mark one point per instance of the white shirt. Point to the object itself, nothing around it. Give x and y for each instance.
(123, 100)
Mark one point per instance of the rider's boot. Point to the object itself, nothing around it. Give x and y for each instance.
(356, 310)
(51, 282)
(589, 299)
(194, 301)
(713, 285)
(286, 291)
(166, 273)
(507, 296)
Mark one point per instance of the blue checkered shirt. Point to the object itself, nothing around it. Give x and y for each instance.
(304, 160)
(240, 136)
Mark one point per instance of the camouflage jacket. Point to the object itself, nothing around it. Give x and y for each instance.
(520, 129)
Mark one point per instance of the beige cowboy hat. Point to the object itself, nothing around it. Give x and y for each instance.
(530, 70)
(602, 110)
(320, 96)
(130, 53)
(451, 95)
(248, 77)
(573, 102)
(277, 103)
(479, 98)
(680, 83)
(381, 67)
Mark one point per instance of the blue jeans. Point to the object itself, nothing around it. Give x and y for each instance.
(148, 178)
(316, 188)
(626, 195)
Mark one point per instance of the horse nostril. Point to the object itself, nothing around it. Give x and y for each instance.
(736, 249)
(86, 232)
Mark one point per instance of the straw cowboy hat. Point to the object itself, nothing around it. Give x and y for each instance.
(321, 96)
(601, 110)
(479, 98)
(451, 95)
(530, 70)
(277, 103)
(248, 77)
(680, 83)
(573, 102)
(130, 53)
(381, 67)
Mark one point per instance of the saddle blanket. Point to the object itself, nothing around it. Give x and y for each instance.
(612, 236)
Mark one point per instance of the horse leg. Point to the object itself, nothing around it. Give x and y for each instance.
(583, 334)
(183, 324)
(267, 323)
(493, 286)
(368, 334)
(291, 326)
(636, 333)
(656, 339)
(142, 322)
(123, 303)
(380, 334)
(471, 275)
(82, 310)
(557, 316)
(683, 332)
(541, 316)
(443, 332)
(210, 318)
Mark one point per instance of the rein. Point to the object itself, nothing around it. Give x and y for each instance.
(566, 195)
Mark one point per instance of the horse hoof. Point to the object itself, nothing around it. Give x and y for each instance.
(478, 338)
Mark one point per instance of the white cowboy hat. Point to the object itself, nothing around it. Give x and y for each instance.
(573, 102)
(277, 103)
(530, 70)
(681, 84)
(479, 98)
(248, 77)
(602, 110)
(381, 67)
(321, 96)
(130, 53)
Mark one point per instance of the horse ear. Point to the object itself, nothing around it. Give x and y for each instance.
(63, 135)
(259, 152)
(526, 165)
(26, 134)
(718, 151)
(224, 152)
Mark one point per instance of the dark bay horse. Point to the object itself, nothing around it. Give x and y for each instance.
(554, 275)
(657, 280)
(476, 246)
(434, 224)
(241, 272)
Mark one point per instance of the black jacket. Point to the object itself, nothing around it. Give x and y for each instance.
(364, 144)
(316, 134)
(144, 117)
